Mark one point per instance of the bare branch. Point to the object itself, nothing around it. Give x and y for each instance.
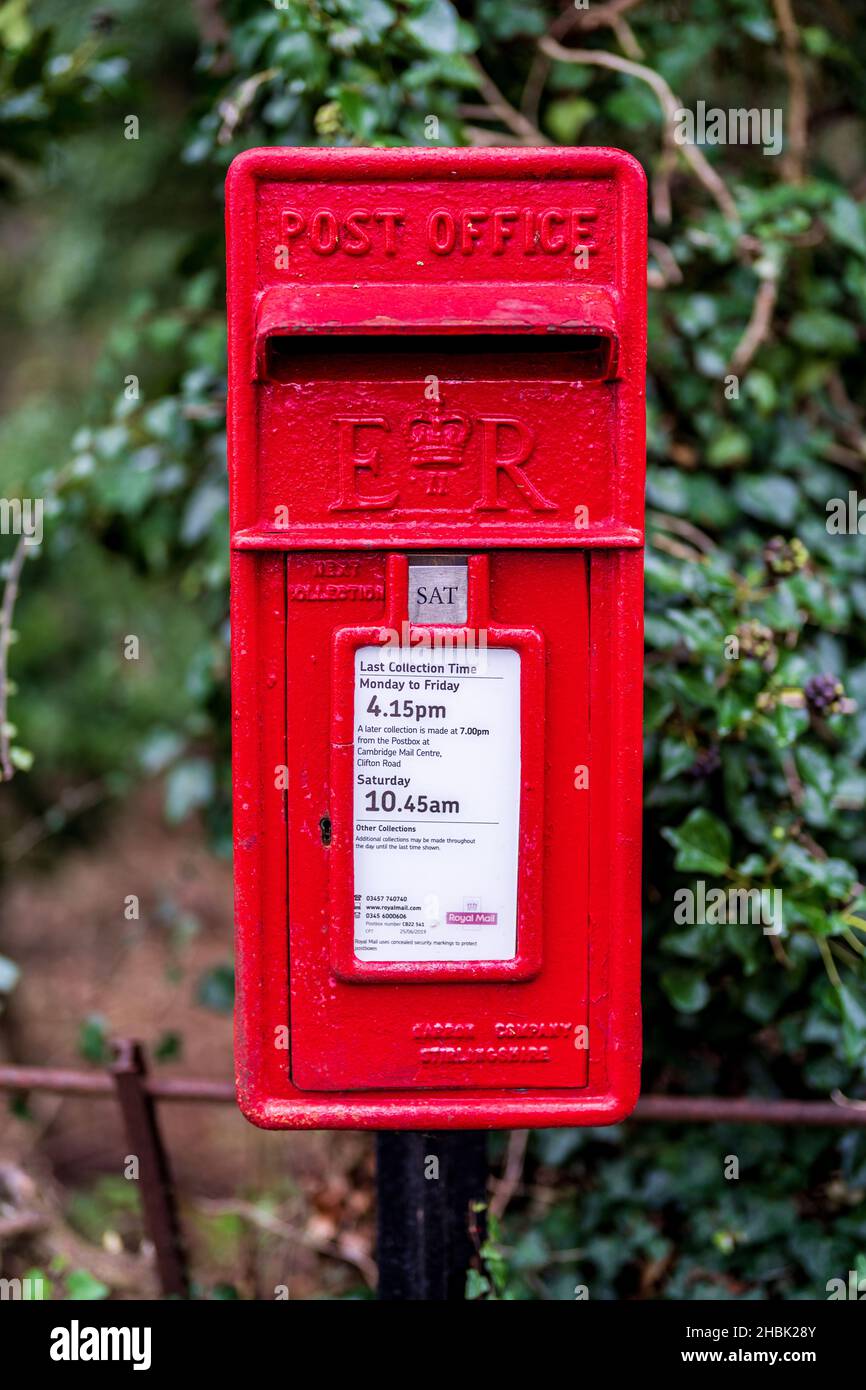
(669, 104)
(342, 1248)
(626, 37)
(759, 325)
(511, 1179)
(670, 271)
(74, 801)
(233, 109)
(525, 130)
(597, 16)
(7, 613)
(660, 182)
(489, 139)
(570, 19)
(794, 157)
(683, 528)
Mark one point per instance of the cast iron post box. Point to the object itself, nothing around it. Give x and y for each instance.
(436, 435)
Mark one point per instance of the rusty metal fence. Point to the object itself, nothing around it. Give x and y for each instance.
(130, 1084)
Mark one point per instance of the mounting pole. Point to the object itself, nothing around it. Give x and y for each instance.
(428, 1233)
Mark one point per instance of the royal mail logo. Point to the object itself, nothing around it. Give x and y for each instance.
(471, 919)
(372, 451)
(437, 439)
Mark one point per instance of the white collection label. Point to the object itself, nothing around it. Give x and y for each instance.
(436, 801)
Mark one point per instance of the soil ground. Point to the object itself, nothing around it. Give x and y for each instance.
(261, 1210)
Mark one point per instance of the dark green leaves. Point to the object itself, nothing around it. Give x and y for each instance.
(702, 842)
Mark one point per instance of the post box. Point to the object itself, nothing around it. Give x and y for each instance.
(436, 446)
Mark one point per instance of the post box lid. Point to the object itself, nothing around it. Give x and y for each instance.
(448, 309)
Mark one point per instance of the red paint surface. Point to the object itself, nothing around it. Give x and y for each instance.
(458, 265)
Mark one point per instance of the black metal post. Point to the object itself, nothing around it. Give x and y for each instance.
(428, 1183)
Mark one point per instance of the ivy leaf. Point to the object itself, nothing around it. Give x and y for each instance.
(769, 497)
(823, 331)
(677, 756)
(216, 989)
(10, 974)
(853, 1023)
(189, 785)
(846, 222)
(687, 990)
(703, 843)
(566, 118)
(82, 1286)
(434, 26)
(93, 1039)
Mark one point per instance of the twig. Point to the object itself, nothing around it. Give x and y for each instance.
(676, 549)
(7, 613)
(511, 1179)
(234, 108)
(593, 18)
(844, 955)
(670, 271)
(792, 778)
(851, 429)
(851, 459)
(72, 802)
(490, 139)
(780, 953)
(247, 1211)
(626, 37)
(829, 963)
(22, 1223)
(794, 156)
(759, 325)
(660, 182)
(839, 1098)
(683, 528)
(212, 26)
(599, 15)
(669, 104)
(525, 130)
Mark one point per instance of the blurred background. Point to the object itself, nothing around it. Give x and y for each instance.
(117, 124)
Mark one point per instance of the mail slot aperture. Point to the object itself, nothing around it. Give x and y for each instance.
(467, 357)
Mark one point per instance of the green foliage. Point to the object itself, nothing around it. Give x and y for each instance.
(216, 989)
(650, 1212)
(82, 1286)
(93, 1043)
(756, 671)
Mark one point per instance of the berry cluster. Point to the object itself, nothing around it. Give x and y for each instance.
(708, 760)
(824, 694)
(756, 640)
(785, 557)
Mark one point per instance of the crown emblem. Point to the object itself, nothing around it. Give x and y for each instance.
(437, 438)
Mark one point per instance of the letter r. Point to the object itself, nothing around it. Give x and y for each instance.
(492, 463)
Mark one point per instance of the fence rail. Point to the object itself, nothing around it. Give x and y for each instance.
(129, 1083)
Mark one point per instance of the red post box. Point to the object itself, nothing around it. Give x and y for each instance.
(436, 426)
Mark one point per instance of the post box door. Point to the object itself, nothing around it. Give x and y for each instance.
(456, 999)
